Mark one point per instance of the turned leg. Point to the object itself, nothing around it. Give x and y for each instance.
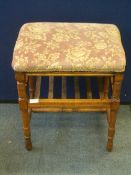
(31, 91)
(23, 104)
(115, 102)
(111, 129)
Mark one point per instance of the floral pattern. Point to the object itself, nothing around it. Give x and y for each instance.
(48, 46)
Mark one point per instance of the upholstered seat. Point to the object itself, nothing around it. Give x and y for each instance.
(68, 47)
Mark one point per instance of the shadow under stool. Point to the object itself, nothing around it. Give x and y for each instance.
(68, 49)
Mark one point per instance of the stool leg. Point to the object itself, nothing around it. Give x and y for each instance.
(23, 104)
(115, 102)
(31, 91)
(31, 87)
(111, 130)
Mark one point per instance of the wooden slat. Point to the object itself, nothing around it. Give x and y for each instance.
(106, 87)
(51, 86)
(88, 86)
(38, 87)
(100, 86)
(31, 87)
(111, 81)
(76, 86)
(63, 95)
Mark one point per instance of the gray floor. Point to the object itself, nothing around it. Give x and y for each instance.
(64, 144)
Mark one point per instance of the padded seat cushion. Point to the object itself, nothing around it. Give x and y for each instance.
(57, 46)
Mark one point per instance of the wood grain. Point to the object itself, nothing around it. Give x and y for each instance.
(38, 87)
(76, 86)
(51, 85)
(63, 87)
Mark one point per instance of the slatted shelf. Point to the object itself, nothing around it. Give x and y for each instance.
(101, 90)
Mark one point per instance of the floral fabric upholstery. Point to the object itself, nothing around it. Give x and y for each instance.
(68, 47)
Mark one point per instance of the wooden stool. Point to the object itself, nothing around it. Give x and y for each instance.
(69, 49)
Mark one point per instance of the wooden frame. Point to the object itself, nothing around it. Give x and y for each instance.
(32, 102)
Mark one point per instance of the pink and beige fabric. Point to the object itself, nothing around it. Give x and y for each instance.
(68, 47)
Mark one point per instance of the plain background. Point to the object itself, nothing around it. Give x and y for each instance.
(14, 13)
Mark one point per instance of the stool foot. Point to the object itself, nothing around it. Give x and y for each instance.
(28, 144)
(109, 146)
(111, 129)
